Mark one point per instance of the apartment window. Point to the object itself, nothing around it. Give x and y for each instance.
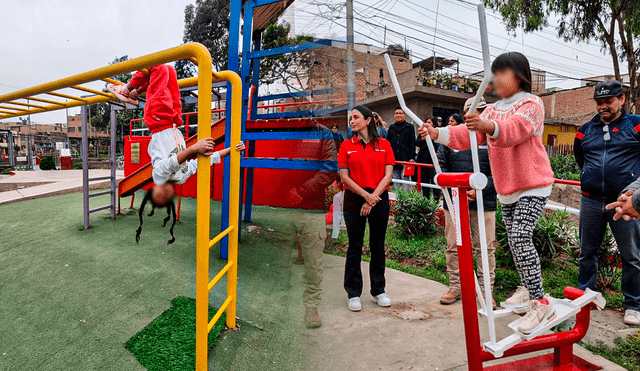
(72, 129)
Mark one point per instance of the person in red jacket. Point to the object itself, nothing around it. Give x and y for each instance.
(171, 159)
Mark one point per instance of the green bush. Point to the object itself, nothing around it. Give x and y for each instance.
(552, 235)
(7, 171)
(565, 167)
(47, 163)
(77, 165)
(415, 214)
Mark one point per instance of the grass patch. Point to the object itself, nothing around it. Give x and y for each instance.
(169, 342)
(626, 351)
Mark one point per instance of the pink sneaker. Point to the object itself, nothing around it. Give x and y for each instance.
(122, 93)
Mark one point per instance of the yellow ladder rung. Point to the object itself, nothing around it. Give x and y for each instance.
(27, 104)
(47, 101)
(219, 313)
(220, 274)
(220, 236)
(93, 91)
(61, 95)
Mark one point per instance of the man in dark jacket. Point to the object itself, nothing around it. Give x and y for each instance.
(452, 160)
(607, 149)
(401, 135)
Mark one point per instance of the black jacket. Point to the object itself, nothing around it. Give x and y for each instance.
(401, 136)
(424, 157)
(608, 166)
(453, 161)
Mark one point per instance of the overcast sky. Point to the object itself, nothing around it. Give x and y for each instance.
(44, 40)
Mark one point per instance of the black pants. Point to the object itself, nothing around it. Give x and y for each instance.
(378, 220)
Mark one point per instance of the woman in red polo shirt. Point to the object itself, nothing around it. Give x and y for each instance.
(365, 163)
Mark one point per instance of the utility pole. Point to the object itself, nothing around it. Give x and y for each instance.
(351, 73)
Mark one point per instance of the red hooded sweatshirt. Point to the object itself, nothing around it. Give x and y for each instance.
(163, 107)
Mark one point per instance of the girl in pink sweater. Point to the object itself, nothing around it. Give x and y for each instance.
(521, 172)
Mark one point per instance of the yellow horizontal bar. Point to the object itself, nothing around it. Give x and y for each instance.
(220, 274)
(14, 108)
(12, 112)
(26, 104)
(47, 101)
(215, 318)
(220, 236)
(68, 96)
(93, 91)
(112, 81)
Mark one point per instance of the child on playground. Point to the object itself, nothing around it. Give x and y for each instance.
(521, 172)
(171, 159)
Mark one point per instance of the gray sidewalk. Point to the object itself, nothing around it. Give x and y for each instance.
(27, 185)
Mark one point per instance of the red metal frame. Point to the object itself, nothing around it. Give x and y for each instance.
(561, 342)
(419, 176)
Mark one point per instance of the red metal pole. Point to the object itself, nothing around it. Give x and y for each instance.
(419, 170)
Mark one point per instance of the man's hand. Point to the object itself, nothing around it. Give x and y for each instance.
(473, 122)
(427, 129)
(624, 207)
(471, 195)
(293, 198)
(204, 147)
(366, 209)
(371, 199)
(240, 147)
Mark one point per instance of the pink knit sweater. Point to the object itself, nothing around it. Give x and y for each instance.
(518, 158)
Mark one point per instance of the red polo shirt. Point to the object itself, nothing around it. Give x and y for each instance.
(365, 163)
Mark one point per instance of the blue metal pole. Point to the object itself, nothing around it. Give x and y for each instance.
(255, 80)
(233, 65)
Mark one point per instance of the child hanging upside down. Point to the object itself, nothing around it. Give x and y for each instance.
(172, 161)
(521, 173)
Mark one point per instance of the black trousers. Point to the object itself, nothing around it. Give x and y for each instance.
(378, 220)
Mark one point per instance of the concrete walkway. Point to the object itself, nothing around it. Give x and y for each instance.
(86, 275)
(27, 185)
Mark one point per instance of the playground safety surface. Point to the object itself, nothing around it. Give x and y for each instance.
(72, 298)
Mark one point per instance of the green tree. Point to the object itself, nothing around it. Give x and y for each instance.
(206, 22)
(284, 68)
(615, 23)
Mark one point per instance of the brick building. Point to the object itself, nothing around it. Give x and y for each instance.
(43, 138)
(565, 111)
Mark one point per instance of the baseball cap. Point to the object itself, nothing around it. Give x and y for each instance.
(607, 89)
(482, 104)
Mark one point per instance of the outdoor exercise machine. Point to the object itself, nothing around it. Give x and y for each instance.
(13, 104)
(517, 343)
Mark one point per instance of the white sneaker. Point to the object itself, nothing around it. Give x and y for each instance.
(632, 317)
(382, 300)
(537, 314)
(519, 301)
(354, 304)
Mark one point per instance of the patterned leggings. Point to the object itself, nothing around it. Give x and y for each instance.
(520, 218)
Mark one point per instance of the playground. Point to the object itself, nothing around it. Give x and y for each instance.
(72, 298)
(78, 287)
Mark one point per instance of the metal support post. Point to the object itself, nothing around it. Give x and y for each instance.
(351, 72)
(85, 167)
(113, 164)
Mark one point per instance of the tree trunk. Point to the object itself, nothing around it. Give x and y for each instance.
(626, 40)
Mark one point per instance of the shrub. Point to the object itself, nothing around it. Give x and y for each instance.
(415, 214)
(552, 235)
(609, 263)
(47, 163)
(77, 165)
(7, 171)
(565, 167)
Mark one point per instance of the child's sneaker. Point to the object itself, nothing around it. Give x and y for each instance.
(519, 301)
(122, 93)
(537, 314)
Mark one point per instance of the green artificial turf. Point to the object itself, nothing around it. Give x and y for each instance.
(169, 342)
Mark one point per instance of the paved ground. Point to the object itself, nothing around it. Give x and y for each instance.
(72, 298)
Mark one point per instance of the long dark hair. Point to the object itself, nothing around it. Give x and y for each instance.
(519, 64)
(371, 126)
(171, 211)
